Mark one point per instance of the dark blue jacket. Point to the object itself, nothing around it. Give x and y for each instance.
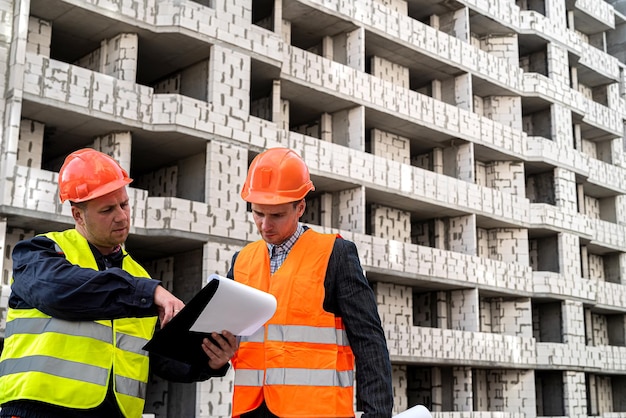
(45, 280)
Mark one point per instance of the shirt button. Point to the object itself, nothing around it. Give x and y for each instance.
(143, 300)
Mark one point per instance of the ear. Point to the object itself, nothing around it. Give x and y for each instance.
(78, 215)
(301, 207)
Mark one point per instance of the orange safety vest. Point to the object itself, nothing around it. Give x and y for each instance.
(300, 362)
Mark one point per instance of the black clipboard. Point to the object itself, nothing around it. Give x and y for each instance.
(175, 340)
(238, 308)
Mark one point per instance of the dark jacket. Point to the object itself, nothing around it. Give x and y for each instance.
(45, 280)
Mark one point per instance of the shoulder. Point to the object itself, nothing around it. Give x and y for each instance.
(344, 245)
(40, 242)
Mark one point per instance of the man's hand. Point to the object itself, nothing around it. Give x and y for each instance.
(220, 354)
(167, 304)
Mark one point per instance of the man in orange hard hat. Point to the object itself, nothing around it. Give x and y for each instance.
(81, 309)
(301, 363)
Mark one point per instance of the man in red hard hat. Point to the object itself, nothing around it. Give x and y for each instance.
(301, 363)
(81, 309)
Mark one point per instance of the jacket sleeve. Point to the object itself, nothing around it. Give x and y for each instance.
(44, 279)
(349, 296)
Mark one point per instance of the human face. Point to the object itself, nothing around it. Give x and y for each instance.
(276, 223)
(105, 220)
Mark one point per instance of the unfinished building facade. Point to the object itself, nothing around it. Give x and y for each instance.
(474, 151)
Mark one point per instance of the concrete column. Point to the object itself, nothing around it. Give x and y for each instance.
(326, 127)
(574, 394)
(562, 127)
(39, 36)
(355, 49)
(584, 261)
(349, 128)
(569, 255)
(229, 82)
(464, 310)
(439, 234)
(327, 47)
(456, 23)
(30, 146)
(565, 190)
(573, 325)
(226, 171)
(556, 11)
(319, 210)
(280, 107)
(458, 160)
(558, 64)
(349, 207)
(463, 398)
(14, 19)
(462, 236)
(437, 160)
(279, 24)
(285, 30)
(326, 210)
(399, 382)
(456, 91)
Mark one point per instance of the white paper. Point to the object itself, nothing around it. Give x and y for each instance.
(235, 307)
(418, 411)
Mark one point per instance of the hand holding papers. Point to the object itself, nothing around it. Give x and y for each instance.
(235, 307)
(222, 304)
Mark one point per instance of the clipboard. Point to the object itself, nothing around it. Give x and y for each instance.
(222, 304)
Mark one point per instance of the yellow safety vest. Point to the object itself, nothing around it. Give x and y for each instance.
(300, 362)
(68, 363)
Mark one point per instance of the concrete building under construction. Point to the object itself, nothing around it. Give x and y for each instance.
(474, 150)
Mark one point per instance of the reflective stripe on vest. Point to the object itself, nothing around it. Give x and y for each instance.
(56, 366)
(302, 353)
(45, 355)
(41, 325)
(299, 333)
(298, 377)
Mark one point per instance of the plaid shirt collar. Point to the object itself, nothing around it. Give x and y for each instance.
(278, 252)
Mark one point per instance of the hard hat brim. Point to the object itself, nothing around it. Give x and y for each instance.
(103, 190)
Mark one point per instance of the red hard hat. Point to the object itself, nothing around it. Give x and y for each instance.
(277, 176)
(87, 174)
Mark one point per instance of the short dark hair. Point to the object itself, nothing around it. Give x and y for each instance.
(79, 205)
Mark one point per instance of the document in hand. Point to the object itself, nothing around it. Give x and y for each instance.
(223, 304)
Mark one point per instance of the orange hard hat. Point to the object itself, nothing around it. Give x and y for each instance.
(87, 174)
(277, 176)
